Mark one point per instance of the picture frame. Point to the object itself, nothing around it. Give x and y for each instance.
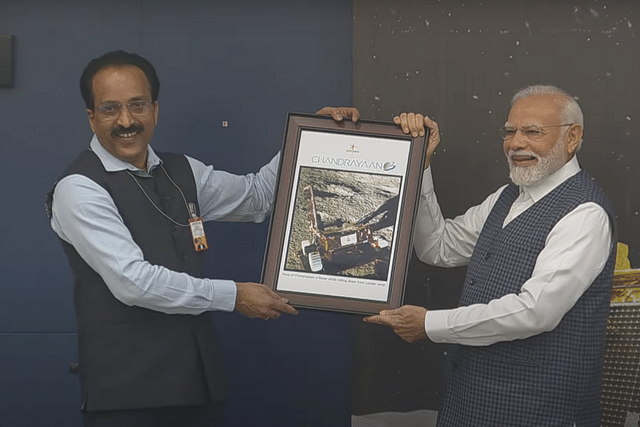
(340, 236)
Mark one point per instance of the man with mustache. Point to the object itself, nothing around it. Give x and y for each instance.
(528, 338)
(130, 222)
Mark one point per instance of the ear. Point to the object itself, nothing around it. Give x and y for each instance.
(574, 136)
(92, 118)
(155, 112)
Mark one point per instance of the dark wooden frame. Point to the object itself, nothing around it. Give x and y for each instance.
(285, 194)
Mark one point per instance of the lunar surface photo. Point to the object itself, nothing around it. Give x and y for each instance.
(343, 223)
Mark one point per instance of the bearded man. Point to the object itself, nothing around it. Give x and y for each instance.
(528, 337)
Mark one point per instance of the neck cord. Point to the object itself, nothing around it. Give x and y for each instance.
(191, 212)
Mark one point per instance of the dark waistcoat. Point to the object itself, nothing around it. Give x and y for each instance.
(133, 357)
(551, 379)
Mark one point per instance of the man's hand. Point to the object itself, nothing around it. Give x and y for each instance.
(257, 300)
(406, 321)
(414, 123)
(338, 113)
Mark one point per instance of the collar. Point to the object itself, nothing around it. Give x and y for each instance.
(114, 164)
(540, 189)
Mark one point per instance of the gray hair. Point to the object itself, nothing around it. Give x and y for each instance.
(571, 112)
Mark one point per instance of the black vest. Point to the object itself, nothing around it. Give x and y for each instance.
(132, 357)
(550, 379)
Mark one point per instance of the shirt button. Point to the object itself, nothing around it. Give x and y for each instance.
(472, 282)
(487, 256)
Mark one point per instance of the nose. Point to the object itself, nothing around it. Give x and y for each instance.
(517, 142)
(124, 118)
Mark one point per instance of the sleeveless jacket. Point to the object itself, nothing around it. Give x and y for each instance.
(551, 379)
(132, 357)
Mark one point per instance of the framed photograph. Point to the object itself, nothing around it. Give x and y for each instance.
(341, 229)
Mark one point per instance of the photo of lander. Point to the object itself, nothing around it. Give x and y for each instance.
(343, 223)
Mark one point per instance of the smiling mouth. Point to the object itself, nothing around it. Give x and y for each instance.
(126, 135)
(523, 159)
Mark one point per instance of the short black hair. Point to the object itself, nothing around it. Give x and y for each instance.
(114, 59)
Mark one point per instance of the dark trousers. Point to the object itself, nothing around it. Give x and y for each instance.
(171, 416)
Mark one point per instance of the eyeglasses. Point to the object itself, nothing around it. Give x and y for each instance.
(114, 109)
(531, 132)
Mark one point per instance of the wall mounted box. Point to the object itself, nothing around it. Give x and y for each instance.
(6, 60)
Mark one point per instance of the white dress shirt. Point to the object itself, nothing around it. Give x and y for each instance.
(85, 216)
(575, 252)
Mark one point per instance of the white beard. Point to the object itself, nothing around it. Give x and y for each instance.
(545, 166)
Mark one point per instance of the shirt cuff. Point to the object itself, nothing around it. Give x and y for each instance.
(225, 295)
(435, 323)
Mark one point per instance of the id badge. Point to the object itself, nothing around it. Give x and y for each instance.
(197, 234)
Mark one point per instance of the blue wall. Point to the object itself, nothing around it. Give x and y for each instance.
(246, 62)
